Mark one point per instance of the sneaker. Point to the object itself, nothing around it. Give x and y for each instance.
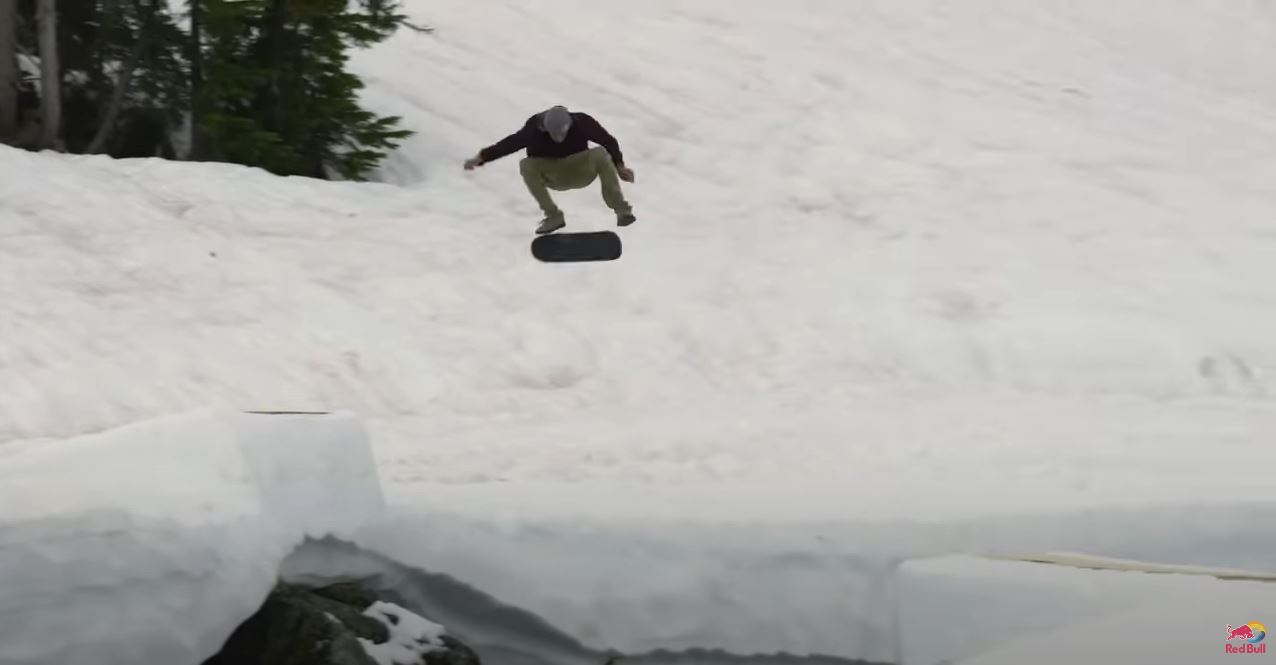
(550, 224)
(625, 219)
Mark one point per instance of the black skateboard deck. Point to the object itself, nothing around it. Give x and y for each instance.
(573, 247)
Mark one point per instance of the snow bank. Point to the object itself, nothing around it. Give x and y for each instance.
(978, 612)
(152, 542)
(845, 588)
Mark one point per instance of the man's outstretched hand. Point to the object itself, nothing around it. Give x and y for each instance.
(473, 162)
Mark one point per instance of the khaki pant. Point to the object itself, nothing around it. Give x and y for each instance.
(572, 172)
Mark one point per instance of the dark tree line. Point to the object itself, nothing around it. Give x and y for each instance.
(256, 82)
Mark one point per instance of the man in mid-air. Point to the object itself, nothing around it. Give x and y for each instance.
(559, 158)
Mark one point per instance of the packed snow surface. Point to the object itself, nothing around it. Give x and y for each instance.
(908, 278)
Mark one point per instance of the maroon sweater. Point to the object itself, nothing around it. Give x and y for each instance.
(538, 143)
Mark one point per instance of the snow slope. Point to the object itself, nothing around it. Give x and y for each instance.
(907, 277)
(880, 243)
(935, 267)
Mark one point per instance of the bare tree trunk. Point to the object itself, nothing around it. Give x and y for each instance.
(117, 97)
(50, 76)
(199, 147)
(8, 70)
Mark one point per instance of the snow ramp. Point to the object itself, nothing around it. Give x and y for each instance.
(152, 542)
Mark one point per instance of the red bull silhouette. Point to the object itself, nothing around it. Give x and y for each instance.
(1240, 633)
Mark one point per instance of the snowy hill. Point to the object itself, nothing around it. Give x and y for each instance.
(899, 268)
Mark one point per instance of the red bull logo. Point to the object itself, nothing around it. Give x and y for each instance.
(1246, 638)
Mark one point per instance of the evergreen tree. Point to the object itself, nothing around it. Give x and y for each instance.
(260, 82)
(276, 93)
(118, 73)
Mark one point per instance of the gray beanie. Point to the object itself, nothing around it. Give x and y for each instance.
(557, 120)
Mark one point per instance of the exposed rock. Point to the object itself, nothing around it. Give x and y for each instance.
(347, 593)
(341, 624)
